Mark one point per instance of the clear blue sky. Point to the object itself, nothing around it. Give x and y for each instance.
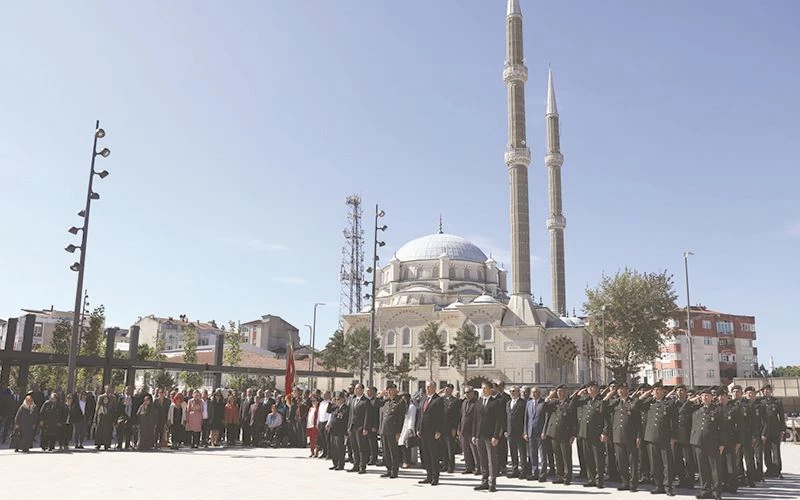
(239, 128)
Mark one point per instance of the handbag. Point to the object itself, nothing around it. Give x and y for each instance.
(14, 439)
(412, 441)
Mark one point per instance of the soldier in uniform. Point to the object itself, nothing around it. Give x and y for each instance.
(592, 428)
(745, 454)
(660, 435)
(772, 432)
(626, 433)
(337, 429)
(394, 412)
(757, 407)
(611, 459)
(645, 471)
(683, 452)
(561, 432)
(707, 439)
(733, 437)
(578, 417)
(451, 416)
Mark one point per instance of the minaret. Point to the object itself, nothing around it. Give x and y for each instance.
(556, 222)
(517, 158)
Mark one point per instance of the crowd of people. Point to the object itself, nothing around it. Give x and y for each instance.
(648, 436)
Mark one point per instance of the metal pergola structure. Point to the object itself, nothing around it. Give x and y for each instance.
(26, 357)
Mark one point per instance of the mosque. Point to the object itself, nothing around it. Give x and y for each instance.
(448, 279)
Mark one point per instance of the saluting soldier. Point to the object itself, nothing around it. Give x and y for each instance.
(394, 412)
(757, 407)
(592, 428)
(772, 432)
(626, 433)
(683, 453)
(561, 431)
(579, 445)
(337, 429)
(734, 435)
(645, 471)
(707, 437)
(745, 456)
(660, 436)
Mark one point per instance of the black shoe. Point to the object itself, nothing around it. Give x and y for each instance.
(590, 484)
(658, 491)
(558, 481)
(482, 486)
(670, 493)
(362, 471)
(386, 474)
(543, 478)
(353, 469)
(435, 482)
(492, 487)
(623, 487)
(332, 468)
(567, 482)
(424, 481)
(634, 488)
(468, 471)
(513, 473)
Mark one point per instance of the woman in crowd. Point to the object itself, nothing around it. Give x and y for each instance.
(176, 419)
(25, 424)
(104, 421)
(311, 426)
(69, 426)
(216, 414)
(79, 419)
(231, 420)
(146, 416)
(194, 419)
(408, 434)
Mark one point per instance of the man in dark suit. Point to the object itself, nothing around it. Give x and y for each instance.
(430, 425)
(515, 432)
(465, 425)
(244, 417)
(452, 413)
(534, 427)
(373, 420)
(394, 412)
(486, 432)
(358, 429)
(258, 420)
(502, 447)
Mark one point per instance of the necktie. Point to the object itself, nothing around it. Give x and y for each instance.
(425, 406)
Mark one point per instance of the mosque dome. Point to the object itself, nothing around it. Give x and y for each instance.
(484, 299)
(434, 246)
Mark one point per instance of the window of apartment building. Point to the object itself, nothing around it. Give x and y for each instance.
(709, 356)
(747, 327)
(708, 341)
(711, 374)
(686, 324)
(727, 358)
(406, 336)
(37, 329)
(473, 361)
(390, 358)
(487, 333)
(673, 323)
(391, 338)
(443, 359)
(488, 357)
(747, 359)
(724, 327)
(422, 361)
(707, 324)
(407, 357)
(421, 385)
(404, 385)
(724, 342)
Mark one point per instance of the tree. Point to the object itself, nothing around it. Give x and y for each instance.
(51, 376)
(356, 357)
(431, 346)
(233, 353)
(637, 307)
(465, 349)
(334, 356)
(164, 380)
(147, 353)
(786, 371)
(92, 345)
(401, 372)
(191, 380)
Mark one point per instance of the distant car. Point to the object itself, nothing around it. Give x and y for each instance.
(792, 427)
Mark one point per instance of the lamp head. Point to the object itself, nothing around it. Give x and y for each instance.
(74, 230)
(383, 227)
(369, 269)
(71, 248)
(75, 267)
(82, 213)
(381, 213)
(94, 196)
(380, 243)
(99, 133)
(102, 174)
(105, 152)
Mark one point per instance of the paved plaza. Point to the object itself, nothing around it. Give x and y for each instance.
(262, 473)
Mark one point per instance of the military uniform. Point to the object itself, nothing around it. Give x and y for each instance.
(683, 453)
(757, 407)
(772, 435)
(626, 428)
(660, 429)
(394, 412)
(579, 444)
(706, 437)
(733, 434)
(337, 430)
(591, 426)
(561, 430)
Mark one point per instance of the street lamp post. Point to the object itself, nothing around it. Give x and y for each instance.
(689, 319)
(313, 339)
(80, 266)
(374, 270)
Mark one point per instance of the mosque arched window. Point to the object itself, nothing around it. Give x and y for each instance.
(487, 333)
(467, 274)
(391, 338)
(406, 336)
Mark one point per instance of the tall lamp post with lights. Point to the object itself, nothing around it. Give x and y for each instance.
(80, 266)
(689, 318)
(374, 270)
(603, 330)
(313, 339)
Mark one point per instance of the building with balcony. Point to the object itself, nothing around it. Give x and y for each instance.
(271, 333)
(172, 331)
(723, 345)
